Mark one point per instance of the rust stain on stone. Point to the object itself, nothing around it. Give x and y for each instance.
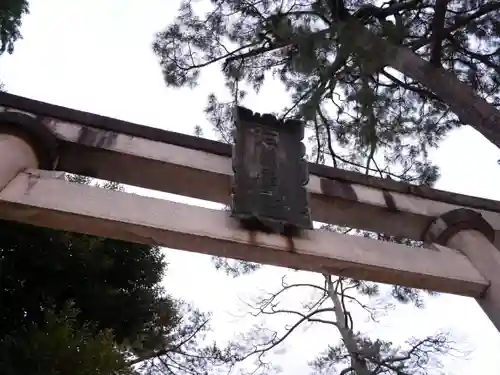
(389, 201)
(33, 178)
(290, 244)
(338, 189)
(252, 237)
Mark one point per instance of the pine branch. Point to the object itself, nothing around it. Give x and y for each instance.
(166, 350)
(437, 31)
(459, 23)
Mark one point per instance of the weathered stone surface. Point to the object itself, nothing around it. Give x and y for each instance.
(46, 112)
(270, 173)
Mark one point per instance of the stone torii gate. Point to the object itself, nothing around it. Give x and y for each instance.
(40, 141)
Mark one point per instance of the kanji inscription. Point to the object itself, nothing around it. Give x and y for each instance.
(270, 173)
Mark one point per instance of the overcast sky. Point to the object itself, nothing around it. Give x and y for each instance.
(95, 55)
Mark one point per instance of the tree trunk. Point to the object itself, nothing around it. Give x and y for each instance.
(462, 100)
(347, 335)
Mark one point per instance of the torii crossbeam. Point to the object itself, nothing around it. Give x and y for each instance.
(40, 141)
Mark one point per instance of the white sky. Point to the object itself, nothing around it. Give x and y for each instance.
(95, 55)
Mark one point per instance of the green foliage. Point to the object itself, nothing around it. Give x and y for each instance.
(106, 278)
(11, 13)
(186, 355)
(382, 357)
(235, 268)
(59, 344)
(364, 115)
(198, 131)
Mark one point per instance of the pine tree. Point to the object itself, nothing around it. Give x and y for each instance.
(334, 57)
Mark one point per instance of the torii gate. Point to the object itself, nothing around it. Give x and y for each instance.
(40, 141)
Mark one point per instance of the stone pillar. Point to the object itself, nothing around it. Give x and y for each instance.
(24, 143)
(467, 231)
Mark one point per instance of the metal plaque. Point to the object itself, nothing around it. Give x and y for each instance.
(270, 173)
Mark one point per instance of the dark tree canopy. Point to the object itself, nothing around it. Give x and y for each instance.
(113, 287)
(60, 345)
(105, 278)
(11, 13)
(365, 115)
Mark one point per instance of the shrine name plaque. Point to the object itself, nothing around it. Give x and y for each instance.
(270, 173)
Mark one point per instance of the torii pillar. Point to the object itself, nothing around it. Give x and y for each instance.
(24, 143)
(468, 232)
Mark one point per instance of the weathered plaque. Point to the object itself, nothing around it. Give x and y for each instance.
(270, 173)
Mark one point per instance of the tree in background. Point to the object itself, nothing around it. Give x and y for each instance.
(60, 345)
(334, 58)
(11, 13)
(333, 306)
